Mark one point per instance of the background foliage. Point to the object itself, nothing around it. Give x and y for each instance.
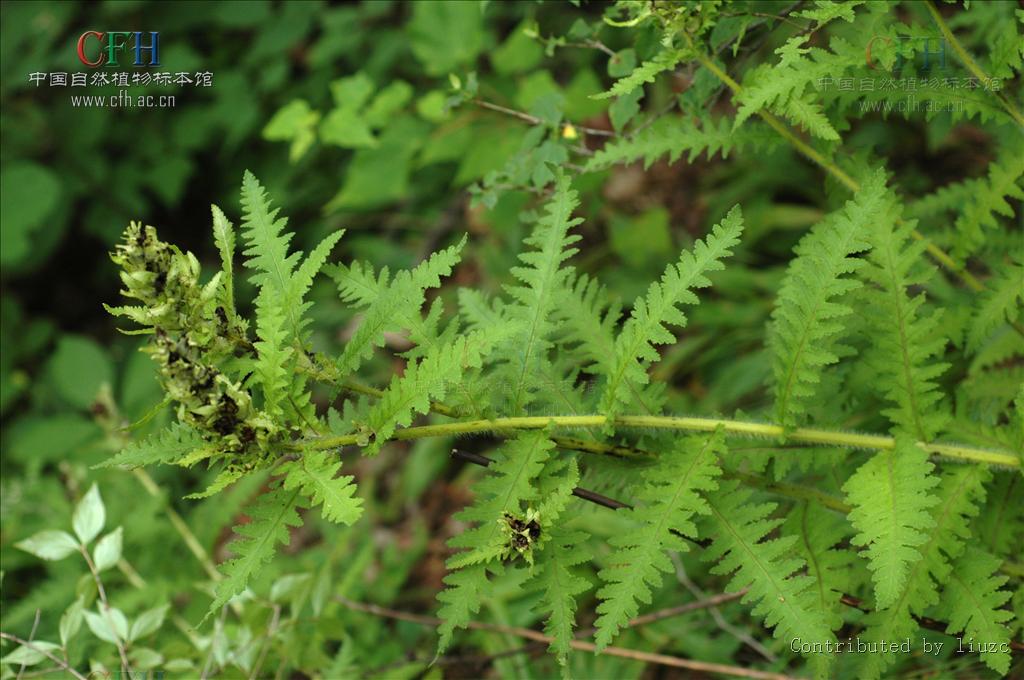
(412, 125)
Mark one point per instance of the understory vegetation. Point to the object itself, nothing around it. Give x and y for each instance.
(590, 340)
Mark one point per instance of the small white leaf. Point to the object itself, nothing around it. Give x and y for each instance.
(71, 621)
(89, 515)
(99, 624)
(144, 658)
(49, 545)
(148, 622)
(285, 586)
(108, 550)
(26, 656)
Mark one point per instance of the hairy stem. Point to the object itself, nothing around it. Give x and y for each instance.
(801, 435)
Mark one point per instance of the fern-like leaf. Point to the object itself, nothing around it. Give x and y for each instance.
(671, 496)
(767, 568)
(166, 447)
(394, 300)
(891, 495)
(224, 238)
(972, 603)
(516, 465)
(315, 475)
(808, 314)
(905, 340)
(271, 370)
(960, 493)
(675, 136)
(271, 515)
(1003, 302)
(460, 601)
(818, 531)
(544, 279)
(781, 87)
(425, 380)
(644, 73)
(561, 586)
(646, 327)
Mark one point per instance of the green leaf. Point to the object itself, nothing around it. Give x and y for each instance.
(108, 550)
(432, 32)
(295, 122)
(271, 516)
(646, 327)
(809, 313)
(71, 621)
(768, 569)
(49, 544)
(89, 515)
(543, 280)
(973, 602)
(78, 369)
(387, 103)
(352, 92)
(561, 584)
(347, 129)
(645, 73)
(167, 446)
(29, 195)
(109, 626)
(148, 622)
(30, 656)
(315, 474)
(891, 495)
(670, 498)
(224, 237)
(905, 339)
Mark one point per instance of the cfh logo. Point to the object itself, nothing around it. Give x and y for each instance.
(930, 52)
(105, 47)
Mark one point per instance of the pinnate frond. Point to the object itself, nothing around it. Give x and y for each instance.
(768, 568)
(808, 315)
(314, 474)
(674, 137)
(271, 516)
(646, 327)
(670, 498)
(891, 495)
(543, 279)
(906, 340)
(166, 447)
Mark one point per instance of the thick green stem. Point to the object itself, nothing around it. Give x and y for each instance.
(800, 435)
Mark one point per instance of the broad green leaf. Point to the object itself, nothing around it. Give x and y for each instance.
(345, 128)
(294, 122)
(446, 34)
(29, 194)
(78, 369)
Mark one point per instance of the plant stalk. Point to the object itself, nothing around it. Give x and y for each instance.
(801, 435)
